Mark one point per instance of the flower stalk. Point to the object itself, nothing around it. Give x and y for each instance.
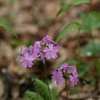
(66, 89)
(47, 80)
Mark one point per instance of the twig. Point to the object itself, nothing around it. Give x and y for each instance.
(89, 90)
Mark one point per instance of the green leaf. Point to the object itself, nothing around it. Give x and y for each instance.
(67, 5)
(29, 95)
(78, 2)
(86, 25)
(97, 68)
(7, 28)
(72, 62)
(82, 68)
(95, 20)
(29, 43)
(91, 49)
(43, 89)
(63, 8)
(68, 29)
(95, 15)
(15, 42)
(91, 80)
(90, 21)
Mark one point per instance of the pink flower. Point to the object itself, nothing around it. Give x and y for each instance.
(47, 39)
(44, 49)
(64, 67)
(26, 61)
(51, 51)
(74, 80)
(69, 71)
(57, 76)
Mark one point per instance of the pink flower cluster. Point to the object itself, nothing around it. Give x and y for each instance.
(58, 74)
(44, 49)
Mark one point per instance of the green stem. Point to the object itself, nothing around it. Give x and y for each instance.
(47, 80)
(66, 89)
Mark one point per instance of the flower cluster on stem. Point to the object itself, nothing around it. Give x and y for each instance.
(44, 49)
(59, 74)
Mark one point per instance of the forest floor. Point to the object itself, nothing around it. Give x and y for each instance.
(32, 20)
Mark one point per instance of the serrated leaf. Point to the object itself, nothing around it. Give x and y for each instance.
(29, 95)
(67, 30)
(43, 89)
(7, 28)
(67, 5)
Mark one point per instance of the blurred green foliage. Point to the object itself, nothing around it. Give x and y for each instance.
(7, 28)
(67, 5)
(71, 27)
(97, 68)
(91, 49)
(90, 21)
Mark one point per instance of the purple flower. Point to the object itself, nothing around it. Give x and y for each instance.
(44, 49)
(47, 39)
(75, 74)
(42, 56)
(57, 76)
(64, 67)
(20, 54)
(72, 73)
(37, 44)
(74, 80)
(26, 61)
(29, 52)
(71, 69)
(50, 51)
(36, 49)
(58, 46)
